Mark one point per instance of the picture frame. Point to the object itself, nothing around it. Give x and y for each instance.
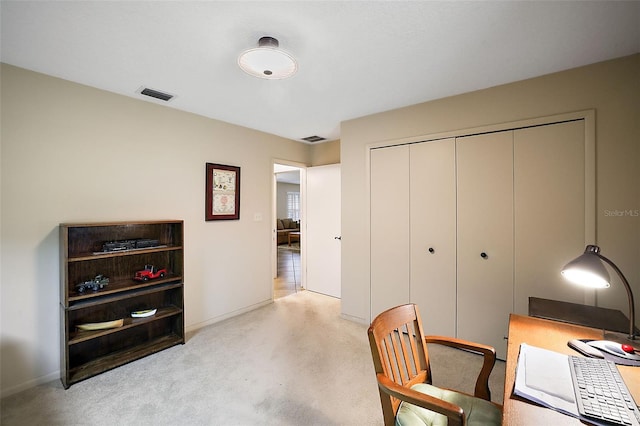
(222, 192)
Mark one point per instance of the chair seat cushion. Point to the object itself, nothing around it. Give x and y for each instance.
(477, 410)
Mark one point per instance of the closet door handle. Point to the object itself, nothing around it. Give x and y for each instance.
(431, 250)
(484, 255)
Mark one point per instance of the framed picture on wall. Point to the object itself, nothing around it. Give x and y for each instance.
(222, 192)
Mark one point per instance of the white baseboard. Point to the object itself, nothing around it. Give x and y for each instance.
(354, 319)
(31, 384)
(197, 326)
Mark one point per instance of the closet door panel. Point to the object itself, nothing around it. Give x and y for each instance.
(389, 197)
(549, 166)
(433, 234)
(485, 237)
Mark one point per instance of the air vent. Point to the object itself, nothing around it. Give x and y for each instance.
(314, 139)
(156, 94)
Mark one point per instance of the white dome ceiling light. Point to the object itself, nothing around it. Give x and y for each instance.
(267, 61)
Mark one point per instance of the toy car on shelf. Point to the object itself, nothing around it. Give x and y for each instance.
(150, 272)
(97, 283)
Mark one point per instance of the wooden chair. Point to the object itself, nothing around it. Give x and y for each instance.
(401, 362)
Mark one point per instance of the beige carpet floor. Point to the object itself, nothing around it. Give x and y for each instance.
(293, 362)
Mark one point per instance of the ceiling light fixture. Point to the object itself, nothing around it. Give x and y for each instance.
(267, 61)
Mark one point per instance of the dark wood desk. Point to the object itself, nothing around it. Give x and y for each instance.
(552, 335)
(575, 313)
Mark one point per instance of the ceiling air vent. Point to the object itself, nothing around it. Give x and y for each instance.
(156, 94)
(314, 139)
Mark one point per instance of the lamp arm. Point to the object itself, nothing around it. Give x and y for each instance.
(632, 310)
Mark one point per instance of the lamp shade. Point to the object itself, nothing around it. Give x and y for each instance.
(267, 61)
(587, 270)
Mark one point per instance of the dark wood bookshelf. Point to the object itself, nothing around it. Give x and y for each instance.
(86, 353)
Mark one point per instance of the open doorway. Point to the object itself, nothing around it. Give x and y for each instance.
(288, 231)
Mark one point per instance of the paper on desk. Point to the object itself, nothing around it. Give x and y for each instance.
(543, 376)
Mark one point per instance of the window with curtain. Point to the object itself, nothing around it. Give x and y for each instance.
(293, 205)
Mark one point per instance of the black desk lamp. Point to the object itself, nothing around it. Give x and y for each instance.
(589, 271)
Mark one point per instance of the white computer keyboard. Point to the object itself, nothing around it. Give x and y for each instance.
(600, 392)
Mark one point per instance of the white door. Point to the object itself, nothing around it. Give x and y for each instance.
(485, 238)
(549, 179)
(323, 229)
(433, 234)
(389, 192)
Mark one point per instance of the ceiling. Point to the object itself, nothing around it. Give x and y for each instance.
(287, 174)
(355, 58)
(289, 177)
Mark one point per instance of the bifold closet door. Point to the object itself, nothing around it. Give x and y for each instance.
(549, 179)
(389, 197)
(485, 238)
(433, 234)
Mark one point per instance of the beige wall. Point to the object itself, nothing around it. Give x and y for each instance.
(70, 153)
(325, 153)
(611, 88)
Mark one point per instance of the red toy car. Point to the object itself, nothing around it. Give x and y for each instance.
(150, 272)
